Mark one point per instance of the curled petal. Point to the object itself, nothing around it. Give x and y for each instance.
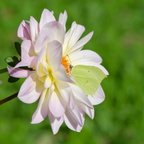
(98, 97)
(30, 90)
(48, 82)
(49, 57)
(24, 31)
(18, 73)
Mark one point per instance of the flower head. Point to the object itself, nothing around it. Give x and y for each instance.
(50, 53)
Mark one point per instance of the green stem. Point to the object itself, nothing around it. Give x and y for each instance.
(3, 70)
(8, 98)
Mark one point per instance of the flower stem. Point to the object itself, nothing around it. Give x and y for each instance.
(3, 70)
(8, 98)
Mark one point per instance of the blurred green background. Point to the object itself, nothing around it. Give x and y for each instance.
(118, 38)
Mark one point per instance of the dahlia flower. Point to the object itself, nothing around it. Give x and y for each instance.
(50, 52)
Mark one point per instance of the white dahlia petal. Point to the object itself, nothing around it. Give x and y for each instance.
(72, 121)
(56, 105)
(48, 82)
(33, 28)
(98, 97)
(55, 122)
(80, 95)
(29, 62)
(52, 31)
(26, 48)
(42, 109)
(85, 57)
(79, 45)
(24, 31)
(61, 75)
(18, 73)
(54, 53)
(46, 17)
(66, 93)
(89, 111)
(72, 37)
(30, 90)
(63, 19)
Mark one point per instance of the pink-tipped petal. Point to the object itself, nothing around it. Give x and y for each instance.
(56, 106)
(18, 73)
(30, 90)
(23, 31)
(46, 17)
(98, 97)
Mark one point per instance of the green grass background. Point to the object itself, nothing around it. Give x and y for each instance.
(118, 38)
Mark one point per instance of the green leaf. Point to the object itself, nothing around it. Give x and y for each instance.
(88, 78)
(12, 79)
(12, 61)
(18, 47)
